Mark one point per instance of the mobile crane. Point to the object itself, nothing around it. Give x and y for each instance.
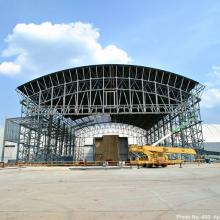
(149, 156)
(153, 155)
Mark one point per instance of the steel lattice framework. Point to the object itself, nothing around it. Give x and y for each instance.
(56, 106)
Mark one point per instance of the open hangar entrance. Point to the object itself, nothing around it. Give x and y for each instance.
(58, 109)
(107, 141)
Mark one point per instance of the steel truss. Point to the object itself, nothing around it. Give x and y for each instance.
(58, 107)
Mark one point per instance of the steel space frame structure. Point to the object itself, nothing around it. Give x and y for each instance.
(55, 107)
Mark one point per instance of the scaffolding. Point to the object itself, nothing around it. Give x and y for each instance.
(59, 109)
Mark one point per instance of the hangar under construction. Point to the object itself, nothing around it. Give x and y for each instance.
(94, 113)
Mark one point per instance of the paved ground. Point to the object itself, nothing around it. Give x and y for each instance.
(192, 192)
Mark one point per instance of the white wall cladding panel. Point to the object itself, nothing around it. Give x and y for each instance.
(89, 152)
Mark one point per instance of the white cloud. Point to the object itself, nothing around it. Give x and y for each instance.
(9, 68)
(211, 98)
(44, 48)
(211, 95)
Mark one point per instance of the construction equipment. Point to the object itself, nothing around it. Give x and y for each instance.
(155, 155)
(149, 156)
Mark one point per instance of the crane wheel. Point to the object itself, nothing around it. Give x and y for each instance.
(163, 165)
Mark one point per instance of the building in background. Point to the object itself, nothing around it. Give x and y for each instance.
(10, 147)
(1, 139)
(211, 135)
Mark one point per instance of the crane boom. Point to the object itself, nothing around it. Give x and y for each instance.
(158, 149)
(163, 138)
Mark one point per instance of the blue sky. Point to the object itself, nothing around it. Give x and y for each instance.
(178, 36)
